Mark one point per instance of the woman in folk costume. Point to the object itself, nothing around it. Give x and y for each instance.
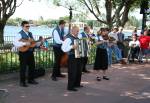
(101, 60)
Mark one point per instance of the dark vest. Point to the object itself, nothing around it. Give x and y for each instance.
(85, 43)
(83, 35)
(71, 52)
(25, 36)
(61, 35)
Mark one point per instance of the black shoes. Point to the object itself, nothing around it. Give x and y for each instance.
(86, 71)
(54, 78)
(61, 76)
(72, 89)
(80, 86)
(98, 78)
(33, 82)
(105, 78)
(23, 85)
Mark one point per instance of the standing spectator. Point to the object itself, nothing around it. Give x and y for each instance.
(114, 48)
(145, 43)
(120, 41)
(135, 30)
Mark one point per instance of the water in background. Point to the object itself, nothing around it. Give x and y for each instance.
(13, 30)
(43, 31)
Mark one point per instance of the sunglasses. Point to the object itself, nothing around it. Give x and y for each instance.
(27, 26)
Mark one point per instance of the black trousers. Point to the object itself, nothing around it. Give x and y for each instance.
(26, 60)
(74, 72)
(135, 52)
(58, 53)
(84, 63)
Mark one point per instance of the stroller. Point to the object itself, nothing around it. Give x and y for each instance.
(132, 56)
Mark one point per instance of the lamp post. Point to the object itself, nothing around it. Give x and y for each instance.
(144, 7)
(70, 18)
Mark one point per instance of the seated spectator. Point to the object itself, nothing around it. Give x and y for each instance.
(42, 43)
(135, 47)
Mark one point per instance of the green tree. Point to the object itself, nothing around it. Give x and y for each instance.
(133, 21)
(108, 12)
(7, 9)
(116, 11)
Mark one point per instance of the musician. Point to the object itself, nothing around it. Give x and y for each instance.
(85, 35)
(101, 60)
(58, 37)
(26, 58)
(74, 64)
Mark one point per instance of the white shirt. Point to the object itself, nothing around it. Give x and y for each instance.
(16, 41)
(56, 36)
(136, 43)
(66, 46)
(112, 34)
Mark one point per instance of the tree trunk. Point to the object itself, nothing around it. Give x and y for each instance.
(2, 33)
(108, 6)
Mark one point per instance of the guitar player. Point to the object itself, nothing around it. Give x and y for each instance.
(26, 58)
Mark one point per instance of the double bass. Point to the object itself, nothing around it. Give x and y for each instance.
(64, 60)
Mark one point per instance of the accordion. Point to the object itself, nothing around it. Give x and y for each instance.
(82, 48)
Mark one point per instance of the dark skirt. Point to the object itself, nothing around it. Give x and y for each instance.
(101, 60)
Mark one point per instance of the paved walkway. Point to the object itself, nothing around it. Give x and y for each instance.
(128, 84)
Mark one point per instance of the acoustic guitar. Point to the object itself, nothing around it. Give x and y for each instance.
(32, 44)
(27, 47)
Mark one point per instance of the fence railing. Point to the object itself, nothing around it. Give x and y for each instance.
(9, 61)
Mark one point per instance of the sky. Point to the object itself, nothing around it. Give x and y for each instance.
(33, 10)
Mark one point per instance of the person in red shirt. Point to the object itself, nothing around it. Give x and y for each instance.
(145, 43)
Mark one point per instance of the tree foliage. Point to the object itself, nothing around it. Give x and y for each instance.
(116, 11)
(7, 9)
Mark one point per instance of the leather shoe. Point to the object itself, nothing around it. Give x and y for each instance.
(98, 78)
(61, 76)
(73, 89)
(86, 71)
(54, 78)
(32, 82)
(80, 86)
(105, 77)
(23, 85)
